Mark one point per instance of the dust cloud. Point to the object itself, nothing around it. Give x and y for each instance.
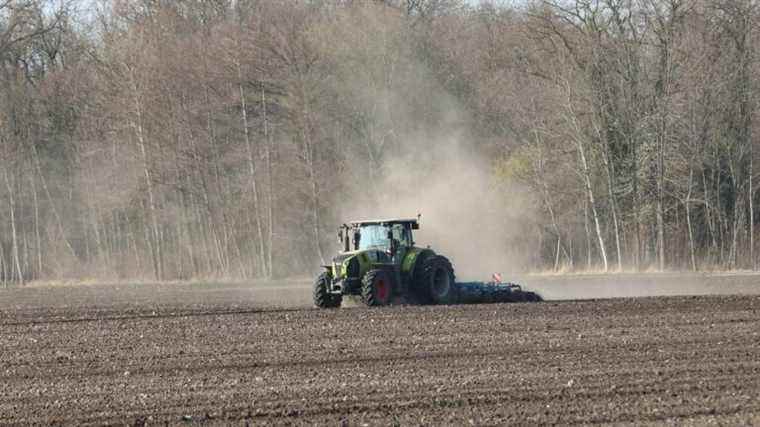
(635, 285)
(466, 216)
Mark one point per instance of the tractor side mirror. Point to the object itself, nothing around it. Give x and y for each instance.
(343, 238)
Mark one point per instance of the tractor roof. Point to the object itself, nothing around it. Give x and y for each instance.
(386, 221)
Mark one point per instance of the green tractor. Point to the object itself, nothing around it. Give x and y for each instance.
(380, 264)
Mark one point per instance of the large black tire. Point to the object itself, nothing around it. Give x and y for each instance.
(322, 298)
(418, 290)
(377, 288)
(435, 281)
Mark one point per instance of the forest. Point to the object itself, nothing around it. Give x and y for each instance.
(193, 139)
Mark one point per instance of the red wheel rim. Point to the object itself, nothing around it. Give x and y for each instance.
(382, 290)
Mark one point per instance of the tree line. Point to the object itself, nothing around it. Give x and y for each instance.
(163, 140)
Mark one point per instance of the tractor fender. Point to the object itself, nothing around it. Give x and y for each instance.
(363, 264)
(355, 266)
(413, 259)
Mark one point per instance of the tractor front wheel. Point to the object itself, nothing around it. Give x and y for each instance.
(377, 288)
(323, 298)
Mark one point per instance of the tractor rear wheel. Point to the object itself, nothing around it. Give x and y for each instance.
(377, 288)
(323, 298)
(436, 280)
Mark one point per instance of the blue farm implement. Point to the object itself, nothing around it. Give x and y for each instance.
(493, 292)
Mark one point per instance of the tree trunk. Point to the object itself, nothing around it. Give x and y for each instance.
(588, 235)
(185, 235)
(308, 153)
(14, 234)
(660, 226)
(261, 260)
(102, 253)
(635, 207)
(688, 221)
(53, 208)
(613, 207)
(661, 191)
(709, 219)
(270, 179)
(314, 196)
(736, 226)
(578, 136)
(721, 224)
(662, 93)
(25, 263)
(3, 269)
(37, 236)
(590, 194)
(750, 201)
(189, 206)
(539, 173)
(154, 237)
(210, 224)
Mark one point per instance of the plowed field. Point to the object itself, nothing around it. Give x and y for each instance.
(189, 356)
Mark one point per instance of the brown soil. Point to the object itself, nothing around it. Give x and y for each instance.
(147, 354)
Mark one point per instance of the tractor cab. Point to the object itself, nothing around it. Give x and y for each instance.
(391, 236)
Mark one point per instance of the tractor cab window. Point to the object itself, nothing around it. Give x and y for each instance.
(374, 236)
(402, 235)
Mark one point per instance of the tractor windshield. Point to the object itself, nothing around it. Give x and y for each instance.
(375, 236)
